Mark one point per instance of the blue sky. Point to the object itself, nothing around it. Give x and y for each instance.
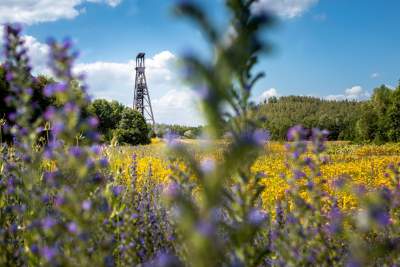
(329, 48)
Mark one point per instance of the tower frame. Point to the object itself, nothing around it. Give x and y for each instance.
(141, 101)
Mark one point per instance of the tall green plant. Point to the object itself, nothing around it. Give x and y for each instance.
(222, 226)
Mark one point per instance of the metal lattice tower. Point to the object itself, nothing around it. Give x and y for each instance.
(142, 101)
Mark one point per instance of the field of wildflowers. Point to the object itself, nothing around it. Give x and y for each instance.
(354, 165)
(240, 202)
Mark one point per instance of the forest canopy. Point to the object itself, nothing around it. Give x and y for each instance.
(375, 120)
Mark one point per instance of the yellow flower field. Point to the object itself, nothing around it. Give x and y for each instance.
(357, 165)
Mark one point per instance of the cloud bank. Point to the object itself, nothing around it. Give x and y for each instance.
(286, 9)
(268, 94)
(37, 11)
(356, 93)
(353, 93)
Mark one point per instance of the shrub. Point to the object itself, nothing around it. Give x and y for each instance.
(109, 115)
(132, 129)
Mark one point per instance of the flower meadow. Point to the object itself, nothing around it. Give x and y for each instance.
(241, 201)
(348, 165)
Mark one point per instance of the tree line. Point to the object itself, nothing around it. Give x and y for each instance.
(375, 120)
(380, 116)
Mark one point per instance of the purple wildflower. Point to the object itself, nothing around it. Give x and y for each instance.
(335, 220)
(50, 89)
(59, 201)
(49, 113)
(46, 199)
(171, 139)
(296, 133)
(117, 190)
(205, 228)
(58, 127)
(70, 107)
(207, 165)
(48, 253)
(90, 163)
(48, 154)
(86, 205)
(96, 149)
(29, 91)
(172, 190)
(381, 217)
(299, 174)
(310, 185)
(48, 223)
(103, 162)
(12, 116)
(39, 129)
(93, 122)
(353, 263)
(35, 249)
(360, 189)
(72, 227)
(260, 137)
(9, 76)
(164, 260)
(340, 182)
(49, 177)
(257, 216)
(75, 151)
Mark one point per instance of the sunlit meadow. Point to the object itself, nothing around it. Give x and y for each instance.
(362, 166)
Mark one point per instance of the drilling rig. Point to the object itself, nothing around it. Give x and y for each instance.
(142, 102)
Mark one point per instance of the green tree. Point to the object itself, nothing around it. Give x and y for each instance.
(162, 129)
(380, 117)
(109, 115)
(4, 92)
(339, 117)
(366, 127)
(382, 100)
(394, 117)
(189, 134)
(39, 102)
(132, 129)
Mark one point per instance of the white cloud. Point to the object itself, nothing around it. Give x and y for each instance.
(36, 11)
(335, 97)
(112, 3)
(375, 75)
(108, 79)
(178, 107)
(353, 93)
(284, 8)
(38, 52)
(268, 94)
